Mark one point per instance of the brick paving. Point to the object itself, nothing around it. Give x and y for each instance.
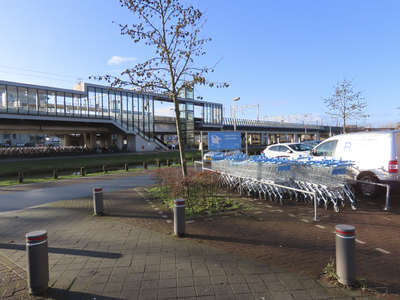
(102, 257)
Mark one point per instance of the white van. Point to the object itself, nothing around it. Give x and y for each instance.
(375, 155)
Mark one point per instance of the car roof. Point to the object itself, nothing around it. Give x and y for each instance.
(287, 144)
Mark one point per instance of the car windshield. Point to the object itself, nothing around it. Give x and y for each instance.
(300, 147)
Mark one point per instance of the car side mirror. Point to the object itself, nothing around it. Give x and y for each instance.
(289, 151)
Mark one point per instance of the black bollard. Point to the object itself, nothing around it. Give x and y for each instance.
(55, 174)
(82, 171)
(38, 261)
(20, 177)
(104, 169)
(126, 167)
(98, 200)
(168, 163)
(179, 217)
(144, 165)
(158, 163)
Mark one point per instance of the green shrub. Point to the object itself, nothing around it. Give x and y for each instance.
(199, 189)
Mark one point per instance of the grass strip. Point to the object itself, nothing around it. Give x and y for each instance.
(90, 161)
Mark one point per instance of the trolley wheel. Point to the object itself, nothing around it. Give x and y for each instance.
(342, 204)
(336, 208)
(326, 205)
(353, 206)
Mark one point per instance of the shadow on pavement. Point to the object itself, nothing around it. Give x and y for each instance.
(66, 251)
(58, 294)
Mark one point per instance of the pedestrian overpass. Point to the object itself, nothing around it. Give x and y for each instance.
(259, 132)
(95, 115)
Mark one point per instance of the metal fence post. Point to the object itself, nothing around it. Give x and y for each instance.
(179, 217)
(98, 200)
(38, 261)
(346, 254)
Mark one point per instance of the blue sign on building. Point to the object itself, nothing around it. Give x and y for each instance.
(224, 140)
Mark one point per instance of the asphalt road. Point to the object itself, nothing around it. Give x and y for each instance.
(21, 200)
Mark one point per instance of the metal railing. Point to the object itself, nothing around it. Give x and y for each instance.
(258, 123)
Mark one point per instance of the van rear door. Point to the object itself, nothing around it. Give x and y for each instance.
(392, 167)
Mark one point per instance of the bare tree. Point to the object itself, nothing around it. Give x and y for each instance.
(345, 103)
(172, 30)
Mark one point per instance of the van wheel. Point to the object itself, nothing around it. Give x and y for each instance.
(369, 190)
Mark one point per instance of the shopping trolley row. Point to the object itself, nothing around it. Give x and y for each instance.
(277, 179)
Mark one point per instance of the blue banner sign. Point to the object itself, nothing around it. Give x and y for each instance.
(224, 140)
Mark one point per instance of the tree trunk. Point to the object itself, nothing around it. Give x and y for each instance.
(180, 138)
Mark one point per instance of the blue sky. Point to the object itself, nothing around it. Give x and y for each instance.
(281, 55)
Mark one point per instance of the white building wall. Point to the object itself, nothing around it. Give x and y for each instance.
(142, 145)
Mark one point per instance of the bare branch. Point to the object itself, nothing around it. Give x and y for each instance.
(346, 103)
(172, 30)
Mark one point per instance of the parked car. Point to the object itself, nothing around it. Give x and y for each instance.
(375, 156)
(287, 150)
(220, 153)
(312, 143)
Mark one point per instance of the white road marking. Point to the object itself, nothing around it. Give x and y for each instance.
(382, 250)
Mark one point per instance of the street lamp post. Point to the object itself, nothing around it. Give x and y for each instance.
(305, 127)
(234, 112)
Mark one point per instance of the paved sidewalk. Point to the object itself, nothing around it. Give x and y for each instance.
(132, 254)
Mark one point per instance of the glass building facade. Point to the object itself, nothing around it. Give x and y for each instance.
(132, 111)
(128, 109)
(212, 114)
